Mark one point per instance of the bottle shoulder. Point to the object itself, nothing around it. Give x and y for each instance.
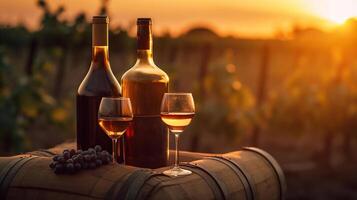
(99, 82)
(142, 72)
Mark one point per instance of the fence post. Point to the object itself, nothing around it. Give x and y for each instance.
(202, 74)
(61, 73)
(31, 56)
(261, 91)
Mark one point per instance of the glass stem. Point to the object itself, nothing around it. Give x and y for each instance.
(176, 151)
(115, 150)
(122, 149)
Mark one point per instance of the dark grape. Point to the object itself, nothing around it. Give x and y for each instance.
(91, 150)
(61, 159)
(106, 160)
(72, 152)
(75, 158)
(71, 160)
(66, 155)
(77, 166)
(98, 148)
(102, 156)
(70, 167)
(80, 157)
(53, 164)
(98, 163)
(55, 158)
(93, 157)
(99, 155)
(105, 152)
(59, 168)
(87, 158)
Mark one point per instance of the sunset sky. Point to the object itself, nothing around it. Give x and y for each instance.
(253, 18)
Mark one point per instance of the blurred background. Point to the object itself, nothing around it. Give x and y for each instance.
(276, 74)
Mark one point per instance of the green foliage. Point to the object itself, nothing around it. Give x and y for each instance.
(9, 131)
(23, 102)
(15, 37)
(228, 108)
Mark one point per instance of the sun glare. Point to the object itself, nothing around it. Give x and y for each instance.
(341, 10)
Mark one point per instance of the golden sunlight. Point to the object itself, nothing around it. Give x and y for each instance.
(340, 10)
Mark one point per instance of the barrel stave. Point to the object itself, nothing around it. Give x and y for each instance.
(260, 171)
(90, 184)
(188, 187)
(212, 178)
(35, 174)
(231, 184)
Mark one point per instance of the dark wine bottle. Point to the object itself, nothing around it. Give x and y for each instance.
(146, 140)
(99, 82)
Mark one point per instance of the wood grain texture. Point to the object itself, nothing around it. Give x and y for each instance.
(35, 180)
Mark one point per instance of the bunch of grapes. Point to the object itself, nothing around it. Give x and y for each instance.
(71, 161)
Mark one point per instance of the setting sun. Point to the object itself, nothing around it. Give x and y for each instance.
(340, 10)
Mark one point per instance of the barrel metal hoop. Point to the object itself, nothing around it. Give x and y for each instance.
(138, 184)
(117, 186)
(133, 184)
(247, 180)
(217, 187)
(166, 183)
(9, 173)
(277, 169)
(160, 185)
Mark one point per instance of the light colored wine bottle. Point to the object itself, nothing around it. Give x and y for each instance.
(146, 141)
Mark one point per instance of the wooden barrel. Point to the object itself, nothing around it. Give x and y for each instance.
(250, 173)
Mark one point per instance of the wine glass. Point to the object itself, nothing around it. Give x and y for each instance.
(114, 116)
(177, 111)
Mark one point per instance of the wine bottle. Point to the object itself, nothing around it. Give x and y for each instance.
(99, 82)
(146, 140)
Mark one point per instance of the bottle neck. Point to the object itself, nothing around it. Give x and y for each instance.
(100, 55)
(144, 56)
(144, 43)
(100, 43)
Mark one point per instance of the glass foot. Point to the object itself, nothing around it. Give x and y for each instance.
(177, 171)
